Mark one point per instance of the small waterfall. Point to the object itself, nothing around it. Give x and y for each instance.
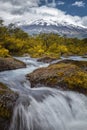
(57, 110)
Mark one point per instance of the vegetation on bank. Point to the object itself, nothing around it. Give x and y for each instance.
(66, 76)
(14, 41)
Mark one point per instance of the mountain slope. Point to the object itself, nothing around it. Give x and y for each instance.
(52, 26)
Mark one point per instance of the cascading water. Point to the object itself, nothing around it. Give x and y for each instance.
(44, 108)
(57, 111)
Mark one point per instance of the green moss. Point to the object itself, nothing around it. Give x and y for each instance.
(67, 76)
(77, 80)
(4, 89)
(4, 112)
(7, 99)
(81, 64)
(51, 81)
(3, 86)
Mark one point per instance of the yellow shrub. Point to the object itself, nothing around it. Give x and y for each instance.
(3, 52)
(79, 79)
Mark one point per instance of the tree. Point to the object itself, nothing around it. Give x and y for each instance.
(1, 22)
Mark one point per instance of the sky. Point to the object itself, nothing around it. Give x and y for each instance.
(26, 11)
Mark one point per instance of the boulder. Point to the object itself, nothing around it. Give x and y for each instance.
(46, 59)
(81, 64)
(65, 76)
(7, 102)
(10, 64)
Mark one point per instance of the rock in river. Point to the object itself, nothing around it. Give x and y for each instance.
(67, 76)
(10, 63)
(46, 59)
(7, 102)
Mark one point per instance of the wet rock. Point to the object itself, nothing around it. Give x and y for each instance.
(46, 59)
(7, 102)
(10, 64)
(65, 76)
(26, 55)
(85, 56)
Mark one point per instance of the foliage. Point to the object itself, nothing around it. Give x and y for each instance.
(77, 80)
(15, 41)
(3, 52)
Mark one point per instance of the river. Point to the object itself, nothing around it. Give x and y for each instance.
(44, 108)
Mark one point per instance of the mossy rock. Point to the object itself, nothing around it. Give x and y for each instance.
(10, 64)
(3, 86)
(81, 64)
(7, 102)
(77, 81)
(65, 76)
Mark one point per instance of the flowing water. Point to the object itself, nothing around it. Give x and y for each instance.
(44, 108)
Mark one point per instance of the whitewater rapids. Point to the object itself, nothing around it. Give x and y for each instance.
(44, 108)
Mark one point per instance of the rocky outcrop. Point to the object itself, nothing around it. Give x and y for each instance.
(7, 102)
(65, 76)
(10, 64)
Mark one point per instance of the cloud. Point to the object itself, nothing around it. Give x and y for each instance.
(53, 3)
(30, 11)
(22, 2)
(79, 4)
(60, 3)
(50, 4)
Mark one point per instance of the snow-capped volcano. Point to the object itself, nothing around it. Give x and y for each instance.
(49, 21)
(54, 26)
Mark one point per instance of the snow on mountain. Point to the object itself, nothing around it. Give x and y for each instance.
(53, 26)
(48, 21)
